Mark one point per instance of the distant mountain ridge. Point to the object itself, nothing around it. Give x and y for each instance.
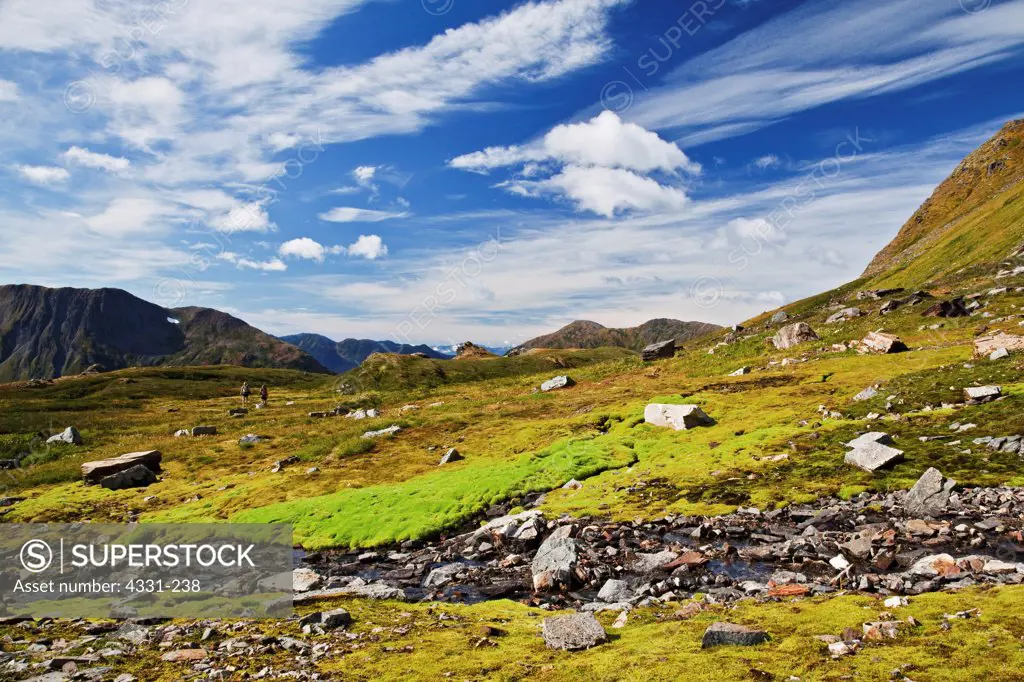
(342, 356)
(587, 334)
(46, 333)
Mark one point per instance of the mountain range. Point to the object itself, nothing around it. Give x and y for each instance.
(342, 356)
(47, 333)
(587, 334)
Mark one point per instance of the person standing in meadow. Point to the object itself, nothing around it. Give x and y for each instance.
(245, 392)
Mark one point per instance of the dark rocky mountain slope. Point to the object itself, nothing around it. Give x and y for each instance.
(586, 334)
(48, 333)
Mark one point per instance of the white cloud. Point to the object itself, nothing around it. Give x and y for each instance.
(605, 141)
(8, 91)
(84, 157)
(303, 247)
(767, 161)
(369, 247)
(824, 52)
(126, 216)
(272, 265)
(596, 164)
(250, 217)
(746, 232)
(43, 175)
(346, 214)
(364, 174)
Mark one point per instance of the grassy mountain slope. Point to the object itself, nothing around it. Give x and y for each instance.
(587, 334)
(974, 219)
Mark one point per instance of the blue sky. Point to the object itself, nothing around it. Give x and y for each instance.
(442, 170)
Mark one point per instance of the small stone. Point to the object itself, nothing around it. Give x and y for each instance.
(678, 417)
(930, 495)
(451, 455)
(69, 436)
(182, 655)
(573, 633)
(999, 354)
(557, 383)
(720, 634)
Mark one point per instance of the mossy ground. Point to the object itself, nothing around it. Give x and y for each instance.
(517, 440)
(436, 642)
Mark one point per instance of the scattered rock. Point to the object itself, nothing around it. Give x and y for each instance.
(986, 345)
(780, 317)
(930, 495)
(730, 634)
(250, 439)
(237, 412)
(870, 452)
(69, 436)
(92, 472)
(185, 655)
(572, 484)
(740, 372)
(557, 383)
(982, 394)
(573, 633)
(138, 476)
(951, 308)
(879, 342)
(999, 354)
(556, 561)
(305, 579)
(657, 351)
(844, 314)
(452, 455)
(389, 431)
(204, 430)
(678, 417)
(867, 394)
(615, 591)
(793, 335)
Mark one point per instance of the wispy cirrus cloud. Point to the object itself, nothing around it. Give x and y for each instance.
(824, 52)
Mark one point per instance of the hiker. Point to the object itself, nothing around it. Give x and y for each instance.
(245, 392)
(263, 394)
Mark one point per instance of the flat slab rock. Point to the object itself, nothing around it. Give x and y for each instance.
(873, 456)
(92, 472)
(137, 476)
(656, 351)
(678, 417)
(573, 633)
(731, 634)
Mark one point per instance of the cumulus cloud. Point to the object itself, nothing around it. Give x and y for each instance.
(303, 247)
(348, 214)
(600, 165)
(83, 157)
(369, 247)
(43, 175)
(604, 141)
(767, 161)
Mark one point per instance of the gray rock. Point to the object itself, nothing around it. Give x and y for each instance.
(92, 472)
(867, 394)
(930, 495)
(982, 394)
(648, 563)
(780, 317)
(305, 579)
(389, 431)
(69, 436)
(555, 562)
(250, 438)
(615, 591)
(452, 455)
(657, 351)
(204, 430)
(740, 372)
(730, 634)
(573, 633)
(442, 575)
(182, 433)
(335, 618)
(556, 383)
(138, 476)
(844, 314)
(793, 335)
(879, 342)
(869, 438)
(873, 456)
(237, 412)
(678, 417)
(999, 354)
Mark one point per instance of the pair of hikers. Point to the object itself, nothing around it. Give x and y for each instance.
(246, 391)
